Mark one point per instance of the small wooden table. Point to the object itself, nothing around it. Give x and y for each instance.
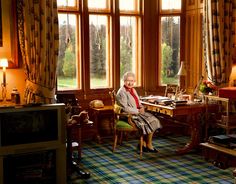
(98, 113)
(193, 110)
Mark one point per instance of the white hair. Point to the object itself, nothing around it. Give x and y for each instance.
(128, 74)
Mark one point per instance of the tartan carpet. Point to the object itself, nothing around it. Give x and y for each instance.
(125, 166)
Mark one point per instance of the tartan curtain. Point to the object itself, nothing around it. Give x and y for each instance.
(219, 40)
(39, 42)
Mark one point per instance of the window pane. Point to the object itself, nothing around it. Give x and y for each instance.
(99, 52)
(66, 3)
(128, 45)
(98, 4)
(67, 59)
(171, 4)
(129, 5)
(170, 45)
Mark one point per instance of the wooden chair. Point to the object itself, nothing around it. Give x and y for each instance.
(76, 120)
(123, 124)
(74, 141)
(73, 129)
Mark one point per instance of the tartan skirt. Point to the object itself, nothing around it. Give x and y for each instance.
(146, 122)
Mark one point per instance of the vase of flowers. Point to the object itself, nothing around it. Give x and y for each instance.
(207, 87)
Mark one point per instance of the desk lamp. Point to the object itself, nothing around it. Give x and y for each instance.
(182, 73)
(4, 64)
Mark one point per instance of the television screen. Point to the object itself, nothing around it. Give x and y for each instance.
(28, 127)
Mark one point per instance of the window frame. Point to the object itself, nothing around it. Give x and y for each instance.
(104, 12)
(77, 12)
(170, 13)
(138, 14)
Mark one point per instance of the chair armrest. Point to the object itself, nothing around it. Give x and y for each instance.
(75, 116)
(123, 114)
(129, 118)
(117, 111)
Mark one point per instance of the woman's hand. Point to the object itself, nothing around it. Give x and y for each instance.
(141, 110)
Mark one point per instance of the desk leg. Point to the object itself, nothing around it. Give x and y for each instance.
(195, 139)
(95, 115)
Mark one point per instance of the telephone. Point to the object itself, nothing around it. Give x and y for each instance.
(96, 104)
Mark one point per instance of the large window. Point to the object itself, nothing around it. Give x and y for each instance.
(170, 16)
(89, 42)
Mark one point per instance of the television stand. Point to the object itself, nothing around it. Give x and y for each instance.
(33, 144)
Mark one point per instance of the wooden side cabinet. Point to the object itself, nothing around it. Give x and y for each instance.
(224, 116)
(220, 156)
(33, 144)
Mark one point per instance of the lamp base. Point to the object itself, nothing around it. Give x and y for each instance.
(182, 84)
(4, 92)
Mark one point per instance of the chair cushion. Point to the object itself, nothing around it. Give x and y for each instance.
(123, 124)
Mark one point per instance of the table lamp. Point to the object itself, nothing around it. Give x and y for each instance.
(182, 73)
(4, 64)
(233, 76)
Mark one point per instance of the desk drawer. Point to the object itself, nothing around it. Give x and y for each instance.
(160, 110)
(166, 111)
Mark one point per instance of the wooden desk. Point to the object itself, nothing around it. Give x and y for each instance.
(97, 114)
(190, 109)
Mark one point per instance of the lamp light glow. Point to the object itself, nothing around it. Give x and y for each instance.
(233, 76)
(4, 63)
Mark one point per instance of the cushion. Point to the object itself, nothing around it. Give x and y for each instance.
(123, 124)
(228, 92)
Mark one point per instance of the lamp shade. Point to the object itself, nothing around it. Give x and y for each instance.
(3, 62)
(182, 70)
(233, 76)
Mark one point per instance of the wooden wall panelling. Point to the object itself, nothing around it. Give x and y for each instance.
(193, 42)
(150, 47)
(199, 48)
(191, 54)
(200, 4)
(191, 4)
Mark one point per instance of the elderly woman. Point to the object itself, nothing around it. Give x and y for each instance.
(128, 99)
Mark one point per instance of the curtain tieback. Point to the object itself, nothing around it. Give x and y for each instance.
(40, 90)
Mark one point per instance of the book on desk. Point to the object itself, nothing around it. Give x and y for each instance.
(161, 100)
